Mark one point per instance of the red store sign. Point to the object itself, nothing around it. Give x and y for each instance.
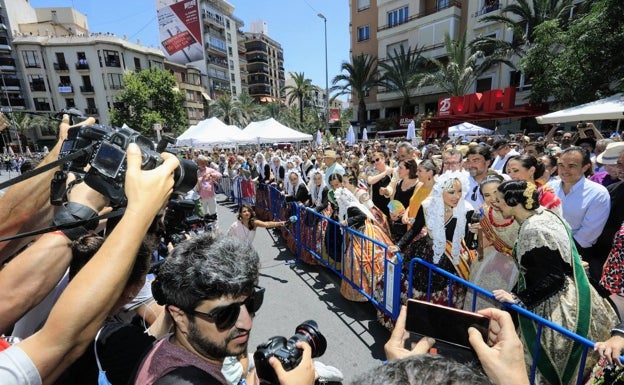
(488, 101)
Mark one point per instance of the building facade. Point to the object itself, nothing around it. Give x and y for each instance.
(265, 64)
(191, 81)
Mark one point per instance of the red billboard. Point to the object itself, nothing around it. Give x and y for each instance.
(180, 31)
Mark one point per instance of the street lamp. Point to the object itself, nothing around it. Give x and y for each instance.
(326, 76)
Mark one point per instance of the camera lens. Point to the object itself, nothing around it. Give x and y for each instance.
(308, 332)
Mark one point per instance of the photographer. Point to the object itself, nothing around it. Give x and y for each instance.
(86, 302)
(25, 206)
(210, 290)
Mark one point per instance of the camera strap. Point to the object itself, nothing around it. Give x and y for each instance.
(115, 213)
(42, 169)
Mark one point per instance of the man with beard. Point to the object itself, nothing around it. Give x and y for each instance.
(209, 289)
(478, 161)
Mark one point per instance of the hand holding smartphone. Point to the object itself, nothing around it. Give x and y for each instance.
(448, 326)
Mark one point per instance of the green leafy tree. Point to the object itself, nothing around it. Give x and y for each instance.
(522, 17)
(225, 109)
(149, 97)
(359, 77)
(402, 72)
(299, 91)
(457, 75)
(273, 110)
(248, 109)
(581, 61)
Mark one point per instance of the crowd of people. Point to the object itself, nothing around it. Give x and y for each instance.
(530, 221)
(536, 222)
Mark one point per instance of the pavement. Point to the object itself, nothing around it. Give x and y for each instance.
(299, 292)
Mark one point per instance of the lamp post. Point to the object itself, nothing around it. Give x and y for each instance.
(326, 76)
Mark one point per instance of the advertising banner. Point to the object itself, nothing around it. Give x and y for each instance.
(180, 31)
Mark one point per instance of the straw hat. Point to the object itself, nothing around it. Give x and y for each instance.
(611, 154)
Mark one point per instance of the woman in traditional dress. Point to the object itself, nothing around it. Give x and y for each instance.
(245, 226)
(529, 168)
(494, 267)
(612, 277)
(437, 236)
(363, 260)
(551, 284)
(313, 226)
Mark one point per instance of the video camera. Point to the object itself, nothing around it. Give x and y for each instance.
(104, 149)
(286, 351)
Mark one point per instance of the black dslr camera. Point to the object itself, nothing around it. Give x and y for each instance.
(180, 219)
(286, 351)
(108, 165)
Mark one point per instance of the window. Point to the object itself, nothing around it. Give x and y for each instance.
(233, 91)
(37, 82)
(484, 84)
(217, 44)
(488, 6)
(363, 5)
(31, 59)
(398, 16)
(111, 58)
(443, 4)
(233, 77)
(229, 38)
(41, 104)
(137, 64)
(391, 48)
(61, 64)
(69, 103)
(115, 81)
(65, 81)
(363, 33)
(230, 53)
(82, 63)
(519, 80)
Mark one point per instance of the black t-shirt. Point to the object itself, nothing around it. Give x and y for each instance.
(121, 348)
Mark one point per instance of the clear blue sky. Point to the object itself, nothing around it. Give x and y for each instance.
(293, 23)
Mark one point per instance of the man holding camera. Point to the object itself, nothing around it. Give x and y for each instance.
(209, 288)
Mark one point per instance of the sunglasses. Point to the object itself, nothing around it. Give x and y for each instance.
(474, 193)
(226, 317)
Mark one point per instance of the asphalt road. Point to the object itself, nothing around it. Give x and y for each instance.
(299, 292)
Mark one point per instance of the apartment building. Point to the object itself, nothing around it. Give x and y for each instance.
(192, 82)
(265, 64)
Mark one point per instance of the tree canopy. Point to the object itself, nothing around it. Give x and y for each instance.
(150, 96)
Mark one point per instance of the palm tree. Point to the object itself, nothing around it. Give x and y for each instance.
(248, 109)
(457, 75)
(521, 16)
(359, 79)
(402, 73)
(300, 90)
(224, 109)
(273, 110)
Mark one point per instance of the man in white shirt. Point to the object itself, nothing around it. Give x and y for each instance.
(585, 204)
(503, 152)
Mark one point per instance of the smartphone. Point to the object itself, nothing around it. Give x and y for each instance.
(444, 323)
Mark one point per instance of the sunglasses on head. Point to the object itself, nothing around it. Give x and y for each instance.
(225, 317)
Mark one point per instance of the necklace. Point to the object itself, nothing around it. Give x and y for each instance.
(504, 224)
(447, 209)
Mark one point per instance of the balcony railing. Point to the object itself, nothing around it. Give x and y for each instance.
(65, 89)
(86, 89)
(487, 8)
(426, 12)
(61, 67)
(37, 87)
(91, 111)
(113, 63)
(82, 65)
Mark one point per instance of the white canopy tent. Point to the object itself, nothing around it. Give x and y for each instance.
(611, 108)
(272, 131)
(212, 132)
(468, 129)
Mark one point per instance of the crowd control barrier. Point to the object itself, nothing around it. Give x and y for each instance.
(316, 236)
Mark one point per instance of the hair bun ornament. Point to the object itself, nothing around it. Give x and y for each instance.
(528, 194)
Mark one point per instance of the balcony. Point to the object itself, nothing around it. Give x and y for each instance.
(426, 12)
(218, 62)
(212, 19)
(490, 6)
(257, 58)
(82, 65)
(260, 90)
(61, 67)
(87, 89)
(65, 89)
(5, 48)
(91, 111)
(216, 48)
(252, 69)
(256, 46)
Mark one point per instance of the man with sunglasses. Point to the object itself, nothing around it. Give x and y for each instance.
(209, 288)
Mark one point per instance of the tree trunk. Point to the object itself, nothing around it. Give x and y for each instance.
(362, 113)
